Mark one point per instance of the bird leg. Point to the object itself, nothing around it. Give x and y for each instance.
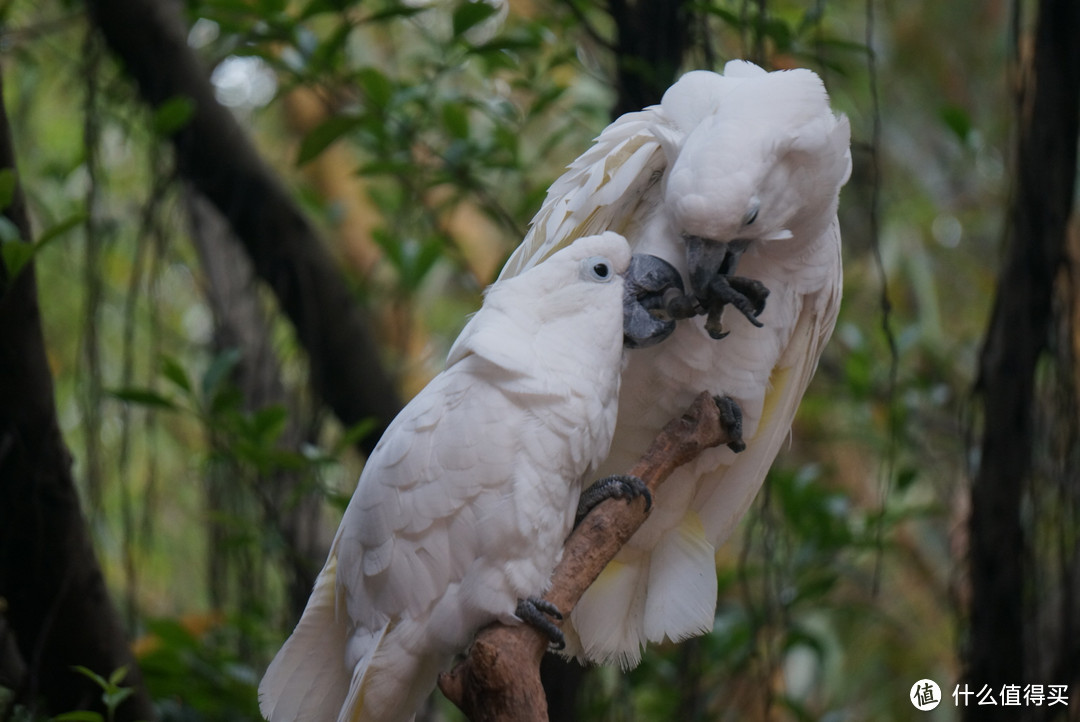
(538, 613)
(678, 305)
(619, 486)
(731, 421)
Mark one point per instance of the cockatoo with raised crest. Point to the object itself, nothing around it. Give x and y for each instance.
(739, 171)
(461, 511)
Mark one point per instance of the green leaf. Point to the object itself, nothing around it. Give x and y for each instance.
(323, 135)
(219, 369)
(456, 119)
(269, 422)
(957, 120)
(354, 434)
(515, 39)
(470, 14)
(9, 232)
(173, 114)
(778, 31)
(115, 698)
(91, 674)
(376, 86)
(144, 397)
(905, 478)
(329, 52)
(118, 675)
(59, 229)
(421, 259)
(395, 11)
(224, 401)
(173, 371)
(8, 183)
(16, 255)
(79, 715)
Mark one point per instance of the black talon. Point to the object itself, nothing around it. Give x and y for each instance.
(731, 418)
(713, 324)
(539, 613)
(679, 305)
(747, 295)
(619, 486)
(753, 290)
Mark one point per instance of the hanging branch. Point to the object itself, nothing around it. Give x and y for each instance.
(499, 681)
(215, 155)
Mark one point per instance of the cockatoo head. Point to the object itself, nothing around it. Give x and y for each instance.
(755, 158)
(644, 282)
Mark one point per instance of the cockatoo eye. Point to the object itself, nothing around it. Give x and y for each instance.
(751, 213)
(597, 268)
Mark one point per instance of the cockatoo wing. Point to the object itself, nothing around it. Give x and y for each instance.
(308, 681)
(721, 505)
(607, 188)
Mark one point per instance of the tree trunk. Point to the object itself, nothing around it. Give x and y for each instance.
(649, 47)
(1015, 342)
(55, 601)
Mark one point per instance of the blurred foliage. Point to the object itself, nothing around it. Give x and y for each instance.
(421, 136)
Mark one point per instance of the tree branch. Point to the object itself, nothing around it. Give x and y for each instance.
(499, 681)
(215, 155)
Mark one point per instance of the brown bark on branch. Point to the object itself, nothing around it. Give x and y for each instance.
(214, 154)
(499, 681)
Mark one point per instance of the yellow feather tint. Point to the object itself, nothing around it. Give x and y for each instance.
(778, 383)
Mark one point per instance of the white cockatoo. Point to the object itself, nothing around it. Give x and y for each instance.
(741, 168)
(461, 511)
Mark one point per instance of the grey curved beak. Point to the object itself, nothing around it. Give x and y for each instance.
(708, 259)
(651, 284)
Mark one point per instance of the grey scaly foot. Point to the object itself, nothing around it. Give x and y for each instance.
(538, 613)
(731, 418)
(619, 486)
(747, 295)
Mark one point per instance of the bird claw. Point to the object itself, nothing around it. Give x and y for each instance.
(655, 300)
(747, 295)
(538, 613)
(618, 486)
(678, 305)
(731, 420)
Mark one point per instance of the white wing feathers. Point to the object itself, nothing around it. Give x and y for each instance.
(723, 502)
(600, 191)
(307, 681)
